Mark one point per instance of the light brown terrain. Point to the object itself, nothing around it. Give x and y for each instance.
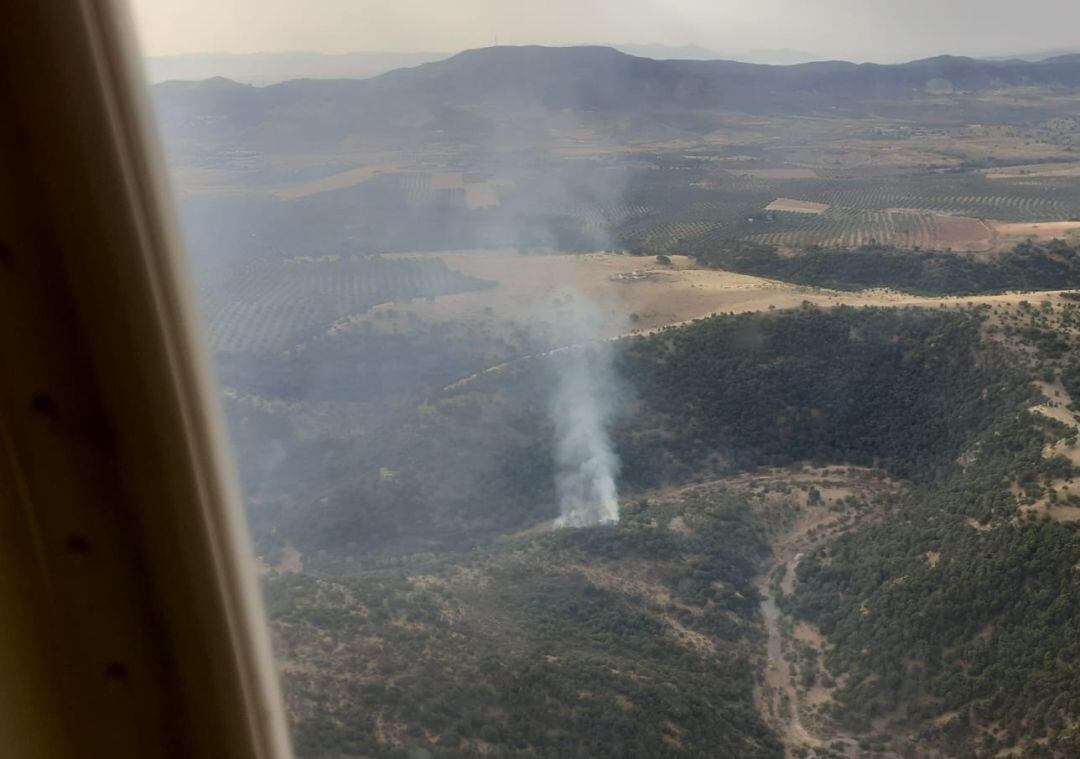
(533, 288)
(787, 173)
(797, 206)
(1035, 170)
(962, 233)
(1013, 232)
(339, 181)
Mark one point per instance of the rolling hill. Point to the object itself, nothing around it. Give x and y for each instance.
(463, 96)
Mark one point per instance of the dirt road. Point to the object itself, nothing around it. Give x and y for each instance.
(790, 710)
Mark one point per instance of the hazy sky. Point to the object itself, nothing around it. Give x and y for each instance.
(883, 30)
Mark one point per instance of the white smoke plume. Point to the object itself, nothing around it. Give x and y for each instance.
(582, 405)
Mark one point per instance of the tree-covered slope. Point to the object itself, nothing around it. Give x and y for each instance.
(955, 620)
(1054, 265)
(635, 640)
(907, 390)
(950, 617)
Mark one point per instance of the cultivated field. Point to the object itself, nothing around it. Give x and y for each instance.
(273, 305)
(787, 182)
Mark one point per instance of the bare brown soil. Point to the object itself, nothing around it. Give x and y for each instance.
(532, 290)
(535, 292)
(797, 206)
(960, 232)
(1010, 233)
(339, 181)
(1034, 171)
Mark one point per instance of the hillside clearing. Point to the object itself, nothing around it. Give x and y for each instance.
(532, 288)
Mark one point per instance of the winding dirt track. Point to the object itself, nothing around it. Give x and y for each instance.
(791, 728)
(781, 703)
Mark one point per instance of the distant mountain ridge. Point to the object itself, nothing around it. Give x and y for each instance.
(1041, 55)
(263, 69)
(699, 53)
(597, 80)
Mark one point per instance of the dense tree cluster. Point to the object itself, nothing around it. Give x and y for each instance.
(899, 389)
(1028, 266)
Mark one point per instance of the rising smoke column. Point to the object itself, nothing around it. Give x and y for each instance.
(582, 405)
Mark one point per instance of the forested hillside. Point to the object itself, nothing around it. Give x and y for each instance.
(635, 640)
(1030, 265)
(962, 633)
(956, 619)
(951, 614)
(905, 390)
